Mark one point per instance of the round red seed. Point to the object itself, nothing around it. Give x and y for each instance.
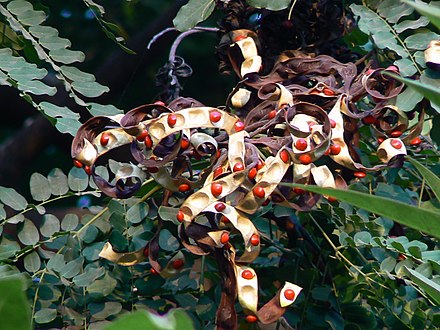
(331, 199)
(327, 152)
(219, 207)
(148, 143)
(369, 120)
(247, 274)
(77, 163)
(298, 191)
(239, 126)
(104, 139)
(380, 139)
(216, 189)
(416, 141)
(215, 116)
(172, 120)
(180, 216)
(251, 319)
(305, 159)
(393, 68)
(289, 294)
(88, 170)
(252, 173)
(285, 157)
(146, 251)
(224, 238)
(301, 144)
(266, 202)
(238, 167)
(260, 165)
(184, 187)
(152, 169)
(272, 114)
(178, 263)
(259, 192)
(255, 239)
(141, 137)
(153, 271)
(395, 134)
(335, 149)
(160, 103)
(239, 38)
(184, 144)
(224, 219)
(328, 92)
(218, 171)
(397, 144)
(332, 123)
(360, 174)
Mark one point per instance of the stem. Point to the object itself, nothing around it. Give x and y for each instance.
(202, 276)
(291, 10)
(421, 193)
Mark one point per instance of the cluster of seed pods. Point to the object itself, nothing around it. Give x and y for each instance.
(283, 129)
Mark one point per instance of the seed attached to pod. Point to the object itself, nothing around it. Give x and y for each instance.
(328, 92)
(184, 144)
(148, 143)
(178, 263)
(141, 137)
(224, 219)
(184, 187)
(218, 171)
(289, 294)
(146, 251)
(395, 134)
(380, 139)
(332, 199)
(305, 159)
(335, 149)
(239, 38)
(255, 239)
(332, 123)
(219, 207)
(172, 120)
(416, 141)
(216, 189)
(215, 116)
(360, 174)
(298, 191)
(285, 157)
(252, 173)
(251, 319)
(369, 120)
(77, 163)
(239, 126)
(272, 114)
(180, 216)
(224, 238)
(260, 164)
(105, 138)
(160, 103)
(397, 144)
(153, 271)
(238, 167)
(301, 144)
(88, 170)
(259, 192)
(247, 274)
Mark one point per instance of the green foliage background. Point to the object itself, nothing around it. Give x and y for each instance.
(363, 277)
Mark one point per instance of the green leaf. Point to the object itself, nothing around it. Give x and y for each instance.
(394, 10)
(102, 311)
(420, 41)
(55, 111)
(176, 319)
(167, 241)
(32, 262)
(12, 198)
(58, 182)
(45, 315)
(430, 11)
(427, 91)
(89, 88)
(14, 306)
(104, 110)
(102, 287)
(420, 219)
(50, 225)
(388, 264)
(67, 56)
(88, 276)
(137, 212)
(405, 25)
(270, 4)
(39, 187)
(56, 263)
(431, 179)
(70, 222)
(72, 268)
(406, 67)
(28, 234)
(193, 12)
(77, 179)
(430, 287)
(408, 99)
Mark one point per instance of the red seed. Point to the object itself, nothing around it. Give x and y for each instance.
(178, 263)
(224, 219)
(380, 139)
(88, 170)
(369, 120)
(252, 173)
(152, 169)
(285, 157)
(301, 144)
(247, 274)
(219, 207)
(148, 143)
(331, 199)
(260, 165)
(184, 143)
(255, 239)
(393, 68)
(216, 189)
(238, 167)
(160, 103)
(153, 271)
(215, 116)
(180, 216)
(104, 139)
(251, 319)
(289, 294)
(239, 126)
(327, 152)
(360, 174)
(335, 149)
(172, 120)
(224, 238)
(395, 134)
(416, 141)
(141, 137)
(239, 38)
(218, 171)
(272, 114)
(266, 202)
(77, 163)
(184, 187)
(396, 143)
(328, 92)
(259, 192)
(332, 123)
(298, 191)
(146, 251)
(305, 159)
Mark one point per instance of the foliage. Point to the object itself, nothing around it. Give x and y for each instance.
(368, 260)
